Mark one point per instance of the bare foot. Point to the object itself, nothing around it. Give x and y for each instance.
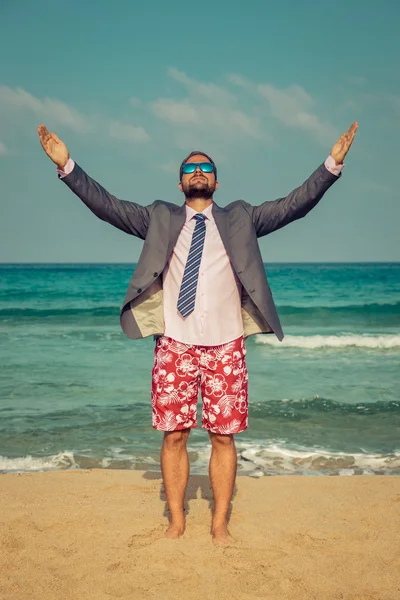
(175, 530)
(221, 535)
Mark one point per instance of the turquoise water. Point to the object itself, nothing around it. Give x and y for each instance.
(75, 391)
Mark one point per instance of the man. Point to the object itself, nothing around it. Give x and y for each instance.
(200, 288)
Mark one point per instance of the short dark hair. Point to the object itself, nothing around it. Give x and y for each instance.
(193, 154)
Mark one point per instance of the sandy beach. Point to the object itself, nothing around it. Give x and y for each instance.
(97, 534)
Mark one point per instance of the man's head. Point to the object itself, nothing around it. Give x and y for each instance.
(198, 176)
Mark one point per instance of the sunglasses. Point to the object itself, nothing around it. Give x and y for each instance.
(206, 167)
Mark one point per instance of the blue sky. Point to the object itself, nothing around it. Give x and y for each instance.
(266, 88)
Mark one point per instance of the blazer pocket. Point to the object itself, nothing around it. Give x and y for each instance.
(236, 227)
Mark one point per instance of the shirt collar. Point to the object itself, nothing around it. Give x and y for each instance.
(207, 212)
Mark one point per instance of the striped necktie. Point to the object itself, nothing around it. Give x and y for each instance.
(187, 293)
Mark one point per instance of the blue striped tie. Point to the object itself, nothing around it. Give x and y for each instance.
(187, 293)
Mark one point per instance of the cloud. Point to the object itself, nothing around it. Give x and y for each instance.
(292, 107)
(59, 113)
(207, 108)
(220, 119)
(209, 91)
(229, 115)
(238, 80)
(47, 108)
(3, 149)
(233, 110)
(181, 113)
(127, 132)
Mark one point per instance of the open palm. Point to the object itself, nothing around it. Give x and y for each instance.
(342, 146)
(53, 146)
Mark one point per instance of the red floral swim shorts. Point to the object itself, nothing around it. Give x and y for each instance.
(221, 373)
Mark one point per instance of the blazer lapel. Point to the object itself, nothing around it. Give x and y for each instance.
(221, 217)
(177, 221)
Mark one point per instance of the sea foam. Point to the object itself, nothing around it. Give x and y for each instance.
(312, 342)
(255, 460)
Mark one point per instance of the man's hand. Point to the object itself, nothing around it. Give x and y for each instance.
(53, 146)
(342, 146)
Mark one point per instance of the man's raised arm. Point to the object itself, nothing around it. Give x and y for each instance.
(127, 216)
(272, 215)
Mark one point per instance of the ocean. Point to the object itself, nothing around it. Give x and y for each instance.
(75, 391)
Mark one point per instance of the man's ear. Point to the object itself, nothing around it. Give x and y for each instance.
(216, 185)
(180, 186)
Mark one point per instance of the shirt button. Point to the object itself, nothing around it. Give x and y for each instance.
(155, 274)
(139, 290)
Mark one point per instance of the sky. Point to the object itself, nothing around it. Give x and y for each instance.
(266, 88)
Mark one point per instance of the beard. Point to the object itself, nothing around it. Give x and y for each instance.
(198, 189)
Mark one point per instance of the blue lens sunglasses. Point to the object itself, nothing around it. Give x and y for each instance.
(206, 167)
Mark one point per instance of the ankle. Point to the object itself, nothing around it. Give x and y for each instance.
(219, 523)
(177, 516)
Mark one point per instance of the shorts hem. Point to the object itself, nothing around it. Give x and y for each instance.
(176, 428)
(232, 432)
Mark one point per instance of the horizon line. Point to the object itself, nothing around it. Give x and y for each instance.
(289, 262)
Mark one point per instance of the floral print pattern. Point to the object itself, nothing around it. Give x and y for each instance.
(220, 372)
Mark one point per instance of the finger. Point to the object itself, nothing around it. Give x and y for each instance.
(351, 135)
(42, 130)
(353, 128)
(351, 132)
(349, 143)
(43, 134)
(43, 138)
(56, 138)
(341, 139)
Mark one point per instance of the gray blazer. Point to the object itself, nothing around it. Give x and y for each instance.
(159, 225)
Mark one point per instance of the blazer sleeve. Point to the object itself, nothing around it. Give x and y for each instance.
(127, 216)
(272, 215)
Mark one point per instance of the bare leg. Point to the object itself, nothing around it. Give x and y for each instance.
(223, 464)
(175, 472)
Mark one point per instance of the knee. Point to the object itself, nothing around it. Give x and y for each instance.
(218, 440)
(176, 439)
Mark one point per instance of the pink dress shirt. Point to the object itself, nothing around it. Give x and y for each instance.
(217, 317)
